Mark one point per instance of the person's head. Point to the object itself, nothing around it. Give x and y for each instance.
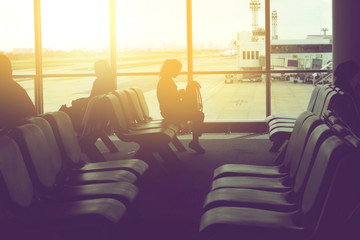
(5, 68)
(170, 68)
(344, 73)
(102, 68)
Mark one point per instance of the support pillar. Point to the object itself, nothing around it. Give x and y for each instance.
(346, 31)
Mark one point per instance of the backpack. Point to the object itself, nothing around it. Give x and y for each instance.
(193, 99)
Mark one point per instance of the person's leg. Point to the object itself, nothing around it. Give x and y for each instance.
(197, 119)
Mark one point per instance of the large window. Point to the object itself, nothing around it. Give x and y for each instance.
(74, 35)
(148, 32)
(222, 45)
(17, 40)
(306, 47)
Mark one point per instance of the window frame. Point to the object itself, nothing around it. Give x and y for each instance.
(39, 76)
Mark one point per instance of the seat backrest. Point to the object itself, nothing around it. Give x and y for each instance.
(301, 142)
(313, 98)
(291, 147)
(330, 153)
(17, 191)
(126, 110)
(50, 138)
(321, 98)
(95, 120)
(65, 136)
(316, 138)
(142, 101)
(117, 118)
(330, 100)
(340, 215)
(135, 105)
(36, 153)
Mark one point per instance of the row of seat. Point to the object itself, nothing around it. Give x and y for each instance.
(127, 114)
(323, 97)
(312, 194)
(47, 190)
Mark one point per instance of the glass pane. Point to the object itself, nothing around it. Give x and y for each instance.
(233, 97)
(63, 90)
(309, 44)
(227, 34)
(242, 99)
(148, 32)
(74, 35)
(17, 39)
(290, 93)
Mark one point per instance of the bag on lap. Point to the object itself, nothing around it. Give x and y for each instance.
(192, 98)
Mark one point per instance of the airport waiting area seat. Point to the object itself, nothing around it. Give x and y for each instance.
(123, 112)
(284, 160)
(152, 141)
(323, 98)
(72, 155)
(291, 182)
(116, 171)
(138, 120)
(40, 164)
(94, 126)
(295, 153)
(26, 216)
(318, 205)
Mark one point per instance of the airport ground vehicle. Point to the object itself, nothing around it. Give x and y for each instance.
(229, 78)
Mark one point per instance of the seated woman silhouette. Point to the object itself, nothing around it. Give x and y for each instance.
(172, 104)
(103, 84)
(15, 103)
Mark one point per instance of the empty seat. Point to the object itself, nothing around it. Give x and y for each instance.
(143, 122)
(69, 175)
(38, 160)
(310, 107)
(30, 218)
(95, 125)
(300, 149)
(325, 100)
(155, 140)
(242, 223)
(143, 103)
(284, 166)
(279, 201)
(71, 152)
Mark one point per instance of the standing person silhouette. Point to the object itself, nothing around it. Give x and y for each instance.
(172, 106)
(103, 84)
(15, 103)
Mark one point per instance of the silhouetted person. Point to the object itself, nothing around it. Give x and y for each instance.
(344, 74)
(15, 103)
(103, 84)
(345, 79)
(172, 105)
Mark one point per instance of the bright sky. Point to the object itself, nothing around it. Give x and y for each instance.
(74, 24)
